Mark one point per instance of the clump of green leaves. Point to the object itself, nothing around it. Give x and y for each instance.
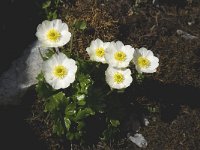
(51, 8)
(88, 95)
(68, 108)
(80, 24)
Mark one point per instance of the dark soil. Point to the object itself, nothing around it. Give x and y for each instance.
(15, 132)
(173, 92)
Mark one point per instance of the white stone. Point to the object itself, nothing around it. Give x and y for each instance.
(146, 122)
(21, 75)
(139, 140)
(186, 35)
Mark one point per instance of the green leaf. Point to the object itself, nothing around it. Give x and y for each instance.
(121, 91)
(81, 99)
(49, 53)
(59, 96)
(84, 113)
(42, 88)
(84, 83)
(81, 124)
(81, 25)
(115, 123)
(67, 123)
(70, 109)
(54, 15)
(58, 128)
(81, 102)
(54, 101)
(110, 133)
(46, 4)
(139, 77)
(70, 136)
(40, 77)
(56, 2)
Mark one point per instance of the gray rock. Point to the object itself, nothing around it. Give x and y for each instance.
(21, 75)
(186, 35)
(139, 140)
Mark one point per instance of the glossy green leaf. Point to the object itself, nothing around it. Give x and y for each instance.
(81, 102)
(42, 88)
(115, 123)
(40, 77)
(67, 123)
(46, 4)
(54, 101)
(84, 113)
(54, 15)
(70, 110)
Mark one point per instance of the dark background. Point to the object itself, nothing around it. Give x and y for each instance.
(19, 20)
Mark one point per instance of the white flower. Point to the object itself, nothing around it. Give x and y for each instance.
(96, 51)
(53, 33)
(145, 61)
(59, 71)
(119, 55)
(118, 78)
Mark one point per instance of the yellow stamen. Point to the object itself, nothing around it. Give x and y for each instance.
(53, 35)
(100, 52)
(60, 71)
(143, 62)
(118, 78)
(120, 56)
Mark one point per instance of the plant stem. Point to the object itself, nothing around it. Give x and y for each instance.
(109, 92)
(71, 42)
(41, 54)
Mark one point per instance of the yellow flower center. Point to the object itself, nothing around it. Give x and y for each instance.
(118, 78)
(60, 71)
(53, 35)
(120, 56)
(143, 62)
(100, 52)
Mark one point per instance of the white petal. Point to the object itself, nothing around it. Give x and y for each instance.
(139, 70)
(99, 42)
(142, 51)
(149, 54)
(119, 45)
(153, 66)
(57, 23)
(65, 38)
(47, 24)
(106, 44)
(66, 82)
(63, 27)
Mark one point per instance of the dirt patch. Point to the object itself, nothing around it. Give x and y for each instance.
(181, 133)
